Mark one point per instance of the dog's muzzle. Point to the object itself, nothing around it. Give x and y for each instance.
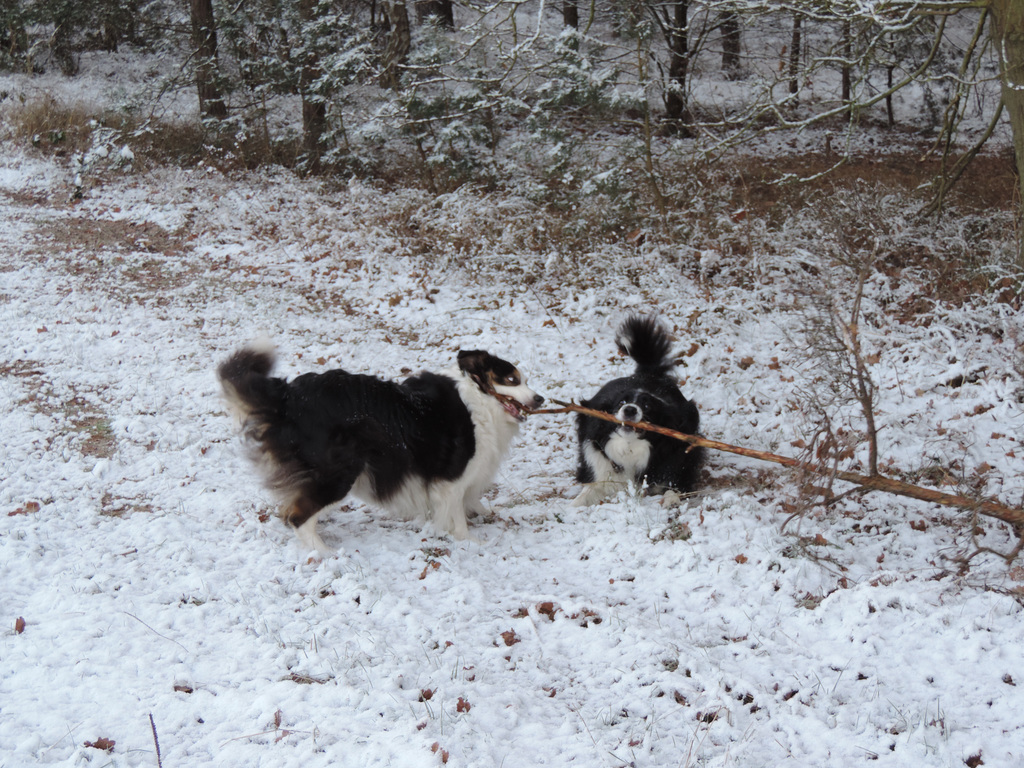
(630, 412)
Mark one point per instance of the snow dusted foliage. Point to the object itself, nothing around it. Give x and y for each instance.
(146, 574)
(513, 98)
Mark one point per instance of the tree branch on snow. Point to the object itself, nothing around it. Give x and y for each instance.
(877, 482)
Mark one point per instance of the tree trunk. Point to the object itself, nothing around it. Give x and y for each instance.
(731, 44)
(890, 115)
(119, 22)
(1008, 35)
(571, 14)
(314, 107)
(571, 20)
(204, 38)
(61, 45)
(795, 45)
(847, 94)
(677, 109)
(438, 11)
(399, 44)
(13, 37)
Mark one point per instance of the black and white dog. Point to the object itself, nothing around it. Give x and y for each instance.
(611, 455)
(428, 446)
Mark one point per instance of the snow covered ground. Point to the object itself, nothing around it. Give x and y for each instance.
(149, 590)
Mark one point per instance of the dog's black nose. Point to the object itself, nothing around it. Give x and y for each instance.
(630, 413)
(538, 401)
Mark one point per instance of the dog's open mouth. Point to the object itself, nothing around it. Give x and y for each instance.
(514, 408)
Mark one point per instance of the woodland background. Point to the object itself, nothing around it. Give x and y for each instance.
(615, 114)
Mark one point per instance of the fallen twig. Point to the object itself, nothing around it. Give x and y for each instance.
(165, 637)
(876, 482)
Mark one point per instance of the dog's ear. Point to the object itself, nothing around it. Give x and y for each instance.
(473, 363)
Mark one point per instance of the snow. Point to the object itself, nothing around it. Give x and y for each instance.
(155, 581)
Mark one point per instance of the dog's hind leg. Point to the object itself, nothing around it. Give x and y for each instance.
(328, 483)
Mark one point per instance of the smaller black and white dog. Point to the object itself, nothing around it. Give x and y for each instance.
(426, 447)
(611, 456)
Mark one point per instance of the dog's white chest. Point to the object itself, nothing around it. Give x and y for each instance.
(628, 452)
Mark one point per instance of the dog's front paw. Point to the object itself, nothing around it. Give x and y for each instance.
(588, 496)
(461, 533)
(475, 509)
(671, 498)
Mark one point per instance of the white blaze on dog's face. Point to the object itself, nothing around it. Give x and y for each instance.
(496, 376)
(635, 407)
(629, 412)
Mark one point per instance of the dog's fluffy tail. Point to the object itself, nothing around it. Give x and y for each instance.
(247, 384)
(646, 340)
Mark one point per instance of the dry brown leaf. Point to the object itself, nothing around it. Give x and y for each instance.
(436, 749)
(547, 609)
(107, 745)
(28, 508)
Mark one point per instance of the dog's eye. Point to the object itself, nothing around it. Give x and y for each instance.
(512, 380)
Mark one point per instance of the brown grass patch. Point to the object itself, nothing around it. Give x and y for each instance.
(988, 184)
(120, 506)
(53, 125)
(93, 435)
(122, 258)
(111, 235)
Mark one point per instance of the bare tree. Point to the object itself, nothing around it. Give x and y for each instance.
(672, 17)
(314, 107)
(834, 321)
(13, 35)
(204, 41)
(834, 340)
(731, 42)
(119, 20)
(795, 48)
(571, 20)
(1008, 35)
(571, 14)
(399, 44)
(439, 12)
(846, 67)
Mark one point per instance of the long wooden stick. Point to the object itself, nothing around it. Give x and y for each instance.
(871, 482)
